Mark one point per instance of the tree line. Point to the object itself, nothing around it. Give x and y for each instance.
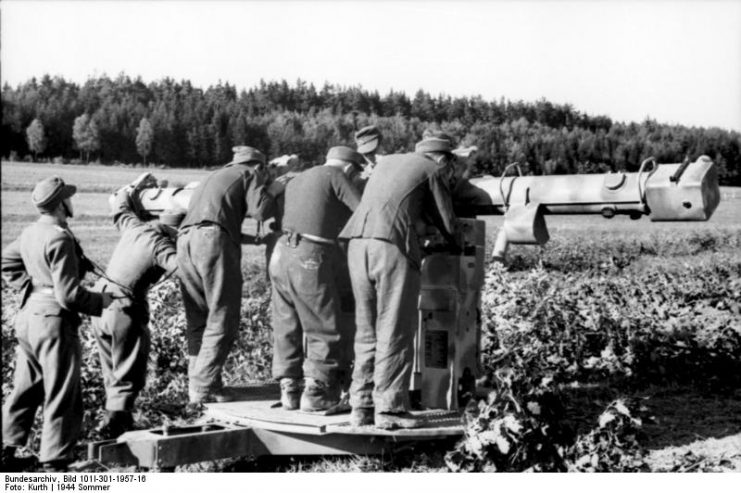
(173, 123)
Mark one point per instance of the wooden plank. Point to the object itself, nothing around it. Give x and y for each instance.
(260, 414)
(283, 443)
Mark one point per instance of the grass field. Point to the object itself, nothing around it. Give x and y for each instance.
(649, 312)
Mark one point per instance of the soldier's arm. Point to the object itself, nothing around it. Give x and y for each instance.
(13, 269)
(164, 253)
(346, 191)
(64, 266)
(123, 212)
(439, 206)
(260, 204)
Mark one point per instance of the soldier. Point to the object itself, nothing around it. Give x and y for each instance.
(367, 141)
(281, 170)
(46, 263)
(209, 265)
(384, 258)
(145, 252)
(305, 298)
(463, 193)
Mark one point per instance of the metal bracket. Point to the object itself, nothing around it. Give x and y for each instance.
(642, 185)
(505, 199)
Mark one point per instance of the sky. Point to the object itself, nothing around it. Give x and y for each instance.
(671, 60)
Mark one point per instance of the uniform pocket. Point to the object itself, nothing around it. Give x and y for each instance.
(311, 272)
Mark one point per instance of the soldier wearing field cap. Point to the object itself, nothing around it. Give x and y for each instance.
(47, 264)
(466, 196)
(305, 300)
(367, 140)
(209, 265)
(384, 255)
(145, 252)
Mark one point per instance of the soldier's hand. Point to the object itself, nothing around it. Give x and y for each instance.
(122, 197)
(145, 180)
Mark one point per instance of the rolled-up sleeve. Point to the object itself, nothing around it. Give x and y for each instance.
(164, 251)
(123, 214)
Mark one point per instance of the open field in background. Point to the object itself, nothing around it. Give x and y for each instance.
(91, 224)
(646, 312)
(89, 178)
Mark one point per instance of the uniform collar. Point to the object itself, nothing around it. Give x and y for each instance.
(49, 219)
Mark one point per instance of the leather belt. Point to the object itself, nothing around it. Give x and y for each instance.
(292, 235)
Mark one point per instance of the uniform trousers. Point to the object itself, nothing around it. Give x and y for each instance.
(122, 336)
(306, 305)
(47, 373)
(386, 288)
(210, 272)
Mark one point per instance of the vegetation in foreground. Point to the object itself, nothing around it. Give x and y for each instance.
(616, 347)
(586, 349)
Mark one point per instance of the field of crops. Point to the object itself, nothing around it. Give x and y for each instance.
(616, 347)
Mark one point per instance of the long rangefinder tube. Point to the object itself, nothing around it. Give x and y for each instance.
(664, 192)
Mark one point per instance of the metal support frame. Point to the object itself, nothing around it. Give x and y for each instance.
(165, 448)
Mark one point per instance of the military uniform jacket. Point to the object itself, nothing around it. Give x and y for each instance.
(46, 256)
(319, 202)
(403, 190)
(143, 254)
(226, 196)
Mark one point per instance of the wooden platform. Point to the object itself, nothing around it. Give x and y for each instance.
(258, 406)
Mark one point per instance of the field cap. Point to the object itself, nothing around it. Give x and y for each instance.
(367, 139)
(49, 192)
(438, 134)
(172, 217)
(434, 144)
(247, 154)
(459, 151)
(285, 160)
(346, 154)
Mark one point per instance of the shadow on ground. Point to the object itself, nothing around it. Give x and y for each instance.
(672, 416)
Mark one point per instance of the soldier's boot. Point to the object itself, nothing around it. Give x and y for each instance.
(290, 393)
(361, 416)
(392, 421)
(116, 424)
(11, 463)
(318, 396)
